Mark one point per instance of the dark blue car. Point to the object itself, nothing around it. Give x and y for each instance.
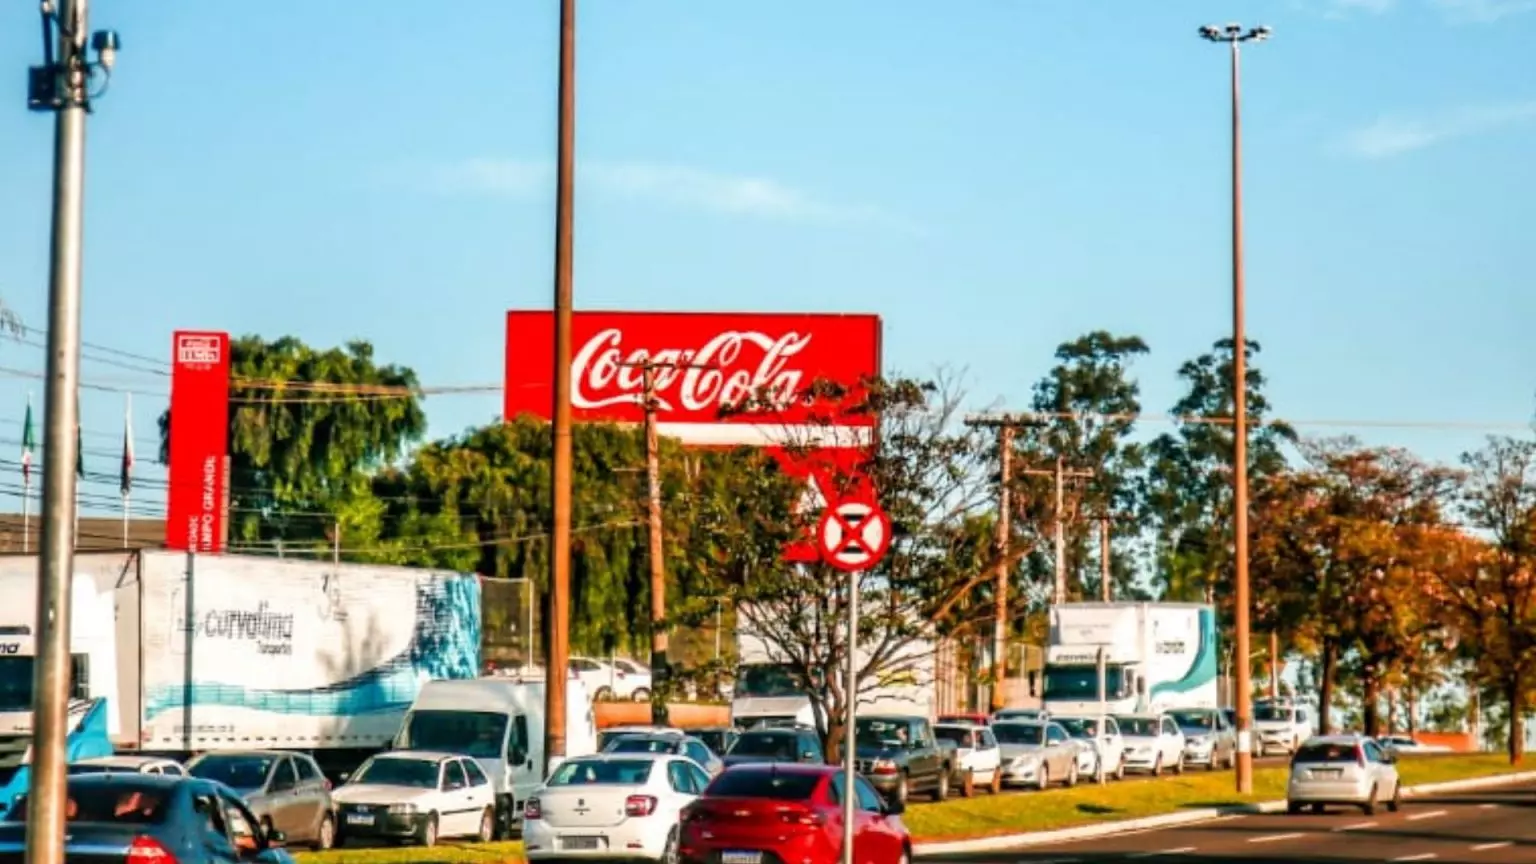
(151, 819)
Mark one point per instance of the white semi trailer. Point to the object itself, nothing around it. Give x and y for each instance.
(1155, 657)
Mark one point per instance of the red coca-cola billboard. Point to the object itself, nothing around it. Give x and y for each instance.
(199, 441)
(739, 379)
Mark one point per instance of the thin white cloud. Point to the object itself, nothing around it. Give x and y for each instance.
(692, 188)
(1482, 11)
(1393, 136)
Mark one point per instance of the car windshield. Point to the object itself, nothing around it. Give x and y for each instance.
(112, 802)
(78, 768)
(1019, 733)
(1326, 753)
(874, 732)
(1138, 727)
(778, 785)
(775, 744)
(1079, 727)
(767, 680)
(236, 772)
(1203, 720)
(1271, 714)
(717, 740)
(395, 771)
(602, 772)
(961, 737)
(642, 744)
(479, 734)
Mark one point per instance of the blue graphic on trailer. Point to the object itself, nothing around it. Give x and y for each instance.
(444, 644)
(88, 740)
(1202, 670)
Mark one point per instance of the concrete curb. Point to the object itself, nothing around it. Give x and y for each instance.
(1185, 817)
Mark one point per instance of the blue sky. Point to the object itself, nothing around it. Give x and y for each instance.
(992, 177)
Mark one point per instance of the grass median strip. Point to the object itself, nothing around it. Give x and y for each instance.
(446, 853)
(985, 816)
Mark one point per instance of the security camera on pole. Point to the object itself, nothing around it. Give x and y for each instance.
(853, 536)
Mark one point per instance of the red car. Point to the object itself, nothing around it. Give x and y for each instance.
(786, 813)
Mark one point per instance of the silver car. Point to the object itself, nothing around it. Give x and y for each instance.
(1036, 754)
(1208, 740)
(286, 791)
(1349, 770)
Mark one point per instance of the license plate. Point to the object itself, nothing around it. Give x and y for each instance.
(359, 818)
(740, 857)
(580, 842)
(1328, 772)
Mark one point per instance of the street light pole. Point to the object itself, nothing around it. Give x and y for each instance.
(62, 84)
(1234, 35)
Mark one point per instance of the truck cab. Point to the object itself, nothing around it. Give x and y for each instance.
(500, 724)
(1154, 657)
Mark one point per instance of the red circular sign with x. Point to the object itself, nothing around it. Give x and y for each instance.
(853, 535)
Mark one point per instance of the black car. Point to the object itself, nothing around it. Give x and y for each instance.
(775, 745)
(150, 819)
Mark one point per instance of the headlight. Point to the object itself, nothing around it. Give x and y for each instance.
(1198, 742)
(402, 809)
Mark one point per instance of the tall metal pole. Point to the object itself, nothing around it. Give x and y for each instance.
(1000, 591)
(558, 649)
(61, 417)
(657, 561)
(851, 718)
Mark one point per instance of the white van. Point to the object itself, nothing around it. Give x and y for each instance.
(500, 723)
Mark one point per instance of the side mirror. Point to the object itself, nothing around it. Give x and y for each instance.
(276, 838)
(344, 776)
(893, 807)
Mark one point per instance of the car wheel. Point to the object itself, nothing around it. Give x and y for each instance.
(1292, 808)
(997, 781)
(1157, 766)
(903, 790)
(1178, 767)
(325, 837)
(1120, 769)
(487, 826)
(428, 834)
(968, 784)
(641, 695)
(1369, 807)
(941, 788)
(669, 854)
(603, 694)
(1396, 803)
(1072, 774)
(1043, 778)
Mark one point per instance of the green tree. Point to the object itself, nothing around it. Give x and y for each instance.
(307, 429)
(1087, 404)
(1188, 482)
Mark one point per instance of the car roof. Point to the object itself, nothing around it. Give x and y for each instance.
(122, 760)
(624, 757)
(785, 768)
(130, 778)
(250, 754)
(1344, 738)
(419, 755)
(1021, 722)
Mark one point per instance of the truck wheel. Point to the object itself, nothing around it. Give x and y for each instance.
(968, 785)
(941, 789)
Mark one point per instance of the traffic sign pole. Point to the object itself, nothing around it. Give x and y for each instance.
(852, 536)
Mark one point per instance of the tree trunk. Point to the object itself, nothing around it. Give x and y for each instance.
(833, 746)
(1413, 711)
(1371, 703)
(1515, 697)
(1330, 671)
(1392, 711)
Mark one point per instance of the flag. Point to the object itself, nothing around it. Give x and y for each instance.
(125, 482)
(28, 444)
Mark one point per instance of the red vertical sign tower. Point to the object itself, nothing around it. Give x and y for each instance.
(199, 441)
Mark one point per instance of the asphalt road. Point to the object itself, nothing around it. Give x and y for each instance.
(1129, 778)
(1491, 827)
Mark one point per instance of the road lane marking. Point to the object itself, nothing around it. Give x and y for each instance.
(1182, 850)
(1430, 815)
(1274, 837)
(1484, 847)
(1422, 856)
(1358, 826)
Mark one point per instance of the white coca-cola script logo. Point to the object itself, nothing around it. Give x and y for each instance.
(715, 375)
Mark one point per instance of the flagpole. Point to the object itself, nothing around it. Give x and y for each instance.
(127, 459)
(26, 480)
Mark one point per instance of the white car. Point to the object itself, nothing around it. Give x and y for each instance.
(1280, 726)
(416, 795)
(635, 681)
(1346, 770)
(611, 680)
(672, 742)
(1102, 735)
(1406, 744)
(126, 765)
(611, 806)
(1153, 743)
(1026, 715)
(978, 758)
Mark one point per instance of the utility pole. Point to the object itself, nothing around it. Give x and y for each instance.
(61, 85)
(558, 648)
(1060, 472)
(1234, 35)
(1106, 590)
(1274, 664)
(1006, 426)
(660, 668)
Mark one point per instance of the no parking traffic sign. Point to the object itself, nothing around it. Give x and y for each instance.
(853, 535)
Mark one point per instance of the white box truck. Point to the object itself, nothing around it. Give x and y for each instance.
(1156, 656)
(766, 692)
(226, 652)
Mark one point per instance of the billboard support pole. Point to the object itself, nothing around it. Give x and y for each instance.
(558, 649)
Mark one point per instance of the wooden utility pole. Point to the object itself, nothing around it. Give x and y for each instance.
(1274, 664)
(1060, 472)
(1106, 591)
(1006, 426)
(660, 668)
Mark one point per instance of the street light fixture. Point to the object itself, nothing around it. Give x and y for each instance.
(1234, 35)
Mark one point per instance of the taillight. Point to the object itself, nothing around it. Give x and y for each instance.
(802, 817)
(531, 809)
(147, 850)
(639, 805)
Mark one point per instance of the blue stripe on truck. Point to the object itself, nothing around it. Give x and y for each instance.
(445, 643)
(1202, 670)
